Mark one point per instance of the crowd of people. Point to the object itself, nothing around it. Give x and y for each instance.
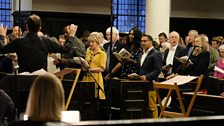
(33, 50)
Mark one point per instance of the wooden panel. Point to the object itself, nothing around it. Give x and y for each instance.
(206, 105)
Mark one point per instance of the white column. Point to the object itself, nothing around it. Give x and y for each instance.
(157, 17)
(26, 5)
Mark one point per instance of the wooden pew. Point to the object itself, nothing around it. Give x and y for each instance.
(205, 105)
(216, 86)
(129, 99)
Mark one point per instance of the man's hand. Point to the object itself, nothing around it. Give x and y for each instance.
(143, 77)
(3, 30)
(107, 77)
(72, 30)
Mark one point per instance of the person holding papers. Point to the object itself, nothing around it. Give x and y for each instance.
(175, 50)
(200, 61)
(96, 59)
(32, 51)
(220, 64)
(113, 67)
(96, 64)
(79, 50)
(133, 46)
(149, 66)
(219, 68)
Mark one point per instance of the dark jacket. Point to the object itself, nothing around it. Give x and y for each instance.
(32, 51)
(180, 51)
(151, 66)
(113, 60)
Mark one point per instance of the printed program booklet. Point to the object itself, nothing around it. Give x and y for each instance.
(122, 53)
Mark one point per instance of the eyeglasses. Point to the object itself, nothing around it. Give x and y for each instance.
(144, 41)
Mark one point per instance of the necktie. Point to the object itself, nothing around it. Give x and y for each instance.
(108, 59)
(190, 51)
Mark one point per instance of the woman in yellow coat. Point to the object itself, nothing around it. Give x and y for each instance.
(96, 59)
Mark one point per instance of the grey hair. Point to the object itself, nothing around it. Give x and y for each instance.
(114, 30)
(195, 32)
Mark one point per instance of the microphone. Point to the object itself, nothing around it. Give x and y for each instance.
(194, 49)
(83, 64)
(196, 46)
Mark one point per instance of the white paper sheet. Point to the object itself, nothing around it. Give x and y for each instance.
(179, 79)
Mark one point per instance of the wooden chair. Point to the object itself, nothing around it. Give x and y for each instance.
(174, 87)
(69, 74)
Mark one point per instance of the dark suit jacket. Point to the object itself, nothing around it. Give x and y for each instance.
(113, 60)
(32, 51)
(180, 51)
(151, 66)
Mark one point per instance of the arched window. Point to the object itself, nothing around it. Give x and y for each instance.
(129, 13)
(5, 13)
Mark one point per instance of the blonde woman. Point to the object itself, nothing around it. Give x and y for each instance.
(96, 59)
(45, 102)
(200, 58)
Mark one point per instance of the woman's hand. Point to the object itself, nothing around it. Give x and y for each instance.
(170, 76)
(84, 68)
(197, 50)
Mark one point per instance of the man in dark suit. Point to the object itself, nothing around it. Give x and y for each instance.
(175, 50)
(32, 51)
(113, 66)
(149, 67)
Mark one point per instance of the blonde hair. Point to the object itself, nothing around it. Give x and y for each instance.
(204, 43)
(204, 46)
(218, 39)
(46, 99)
(221, 47)
(94, 37)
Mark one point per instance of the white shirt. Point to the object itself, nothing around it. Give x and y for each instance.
(145, 54)
(170, 56)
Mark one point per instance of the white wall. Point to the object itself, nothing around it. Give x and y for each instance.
(198, 9)
(26, 5)
(179, 8)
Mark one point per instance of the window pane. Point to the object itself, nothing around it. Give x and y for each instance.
(5, 12)
(129, 13)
